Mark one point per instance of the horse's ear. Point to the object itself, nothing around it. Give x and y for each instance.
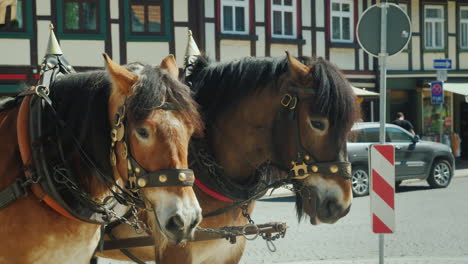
(296, 68)
(170, 65)
(121, 78)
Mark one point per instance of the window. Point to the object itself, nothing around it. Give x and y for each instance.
(342, 21)
(235, 16)
(80, 16)
(464, 27)
(398, 136)
(81, 19)
(13, 21)
(283, 19)
(434, 27)
(146, 17)
(368, 135)
(147, 20)
(16, 22)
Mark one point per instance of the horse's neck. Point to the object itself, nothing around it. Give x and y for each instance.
(241, 136)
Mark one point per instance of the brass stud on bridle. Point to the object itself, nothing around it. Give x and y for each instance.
(141, 182)
(314, 168)
(182, 176)
(333, 169)
(162, 178)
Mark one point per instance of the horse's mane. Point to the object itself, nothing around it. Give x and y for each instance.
(218, 86)
(82, 101)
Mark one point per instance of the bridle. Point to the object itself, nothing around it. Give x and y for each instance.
(304, 164)
(137, 176)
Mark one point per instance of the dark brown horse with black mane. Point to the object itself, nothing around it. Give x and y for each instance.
(141, 116)
(268, 120)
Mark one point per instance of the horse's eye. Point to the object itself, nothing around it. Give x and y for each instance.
(318, 125)
(142, 132)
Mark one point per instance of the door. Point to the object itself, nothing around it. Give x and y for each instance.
(409, 156)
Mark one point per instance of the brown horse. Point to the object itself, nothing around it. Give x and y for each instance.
(267, 120)
(144, 107)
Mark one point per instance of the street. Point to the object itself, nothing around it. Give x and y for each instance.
(431, 227)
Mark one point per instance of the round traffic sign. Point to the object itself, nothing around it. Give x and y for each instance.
(398, 29)
(437, 89)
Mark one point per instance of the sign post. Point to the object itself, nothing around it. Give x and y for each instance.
(437, 91)
(393, 26)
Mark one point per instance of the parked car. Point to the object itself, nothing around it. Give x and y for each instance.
(414, 158)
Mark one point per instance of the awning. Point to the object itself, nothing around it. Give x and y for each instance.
(364, 93)
(458, 88)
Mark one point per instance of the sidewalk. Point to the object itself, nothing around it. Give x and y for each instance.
(461, 170)
(391, 260)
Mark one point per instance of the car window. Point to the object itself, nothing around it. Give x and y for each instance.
(367, 135)
(398, 136)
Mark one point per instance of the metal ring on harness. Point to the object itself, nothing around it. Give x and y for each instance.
(42, 90)
(257, 231)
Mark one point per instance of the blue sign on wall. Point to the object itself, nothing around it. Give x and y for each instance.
(437, 92)
(443, 64)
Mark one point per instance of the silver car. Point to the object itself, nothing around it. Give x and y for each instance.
(414, 158)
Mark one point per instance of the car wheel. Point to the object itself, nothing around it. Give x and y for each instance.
(440, 174)
(360, 181)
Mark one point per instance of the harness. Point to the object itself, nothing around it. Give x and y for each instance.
(47, 169)
(212, 180)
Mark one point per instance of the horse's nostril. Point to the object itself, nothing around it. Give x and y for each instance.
(175, 223)
(195, 222)
(332, 207)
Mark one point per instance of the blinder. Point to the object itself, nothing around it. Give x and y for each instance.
(304, 164)
(138, 177)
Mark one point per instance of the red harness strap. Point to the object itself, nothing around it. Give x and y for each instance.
(211, 192)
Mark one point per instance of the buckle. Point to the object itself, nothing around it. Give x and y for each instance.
(289, 101)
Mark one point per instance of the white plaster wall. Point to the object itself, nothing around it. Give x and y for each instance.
(307, 47)
(43, 8)
(320, 13)
(306, 15)
(416, 52)
(84, 52)
(451, 11)
(210, 40)
(114, 9)
(361, 59)
(14, 52)
(209, 8)
(398, 61)
(42, 39)
(234, 49)
(464, 60)
(415, 15)
(429, 59)
(279, 50)
(259, 10)
(320, 44)
(147, 52)
(452, 51)
(181, 38)
(181, 10)
(260, 43)
(115, 43)
(344, 58)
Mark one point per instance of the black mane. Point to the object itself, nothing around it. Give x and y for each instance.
(218, 86)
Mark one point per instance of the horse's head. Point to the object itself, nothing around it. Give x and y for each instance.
(317, 112)
(153, 117)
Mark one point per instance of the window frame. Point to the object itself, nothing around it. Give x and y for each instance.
(98, 34)
(27, 32)
(463, 21)
(282, 8)
(433, 22)
(341, 15)
(163, 36)
(233, 3)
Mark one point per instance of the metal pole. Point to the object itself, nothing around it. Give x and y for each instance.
(372, 111)
(383, 94)
(441, 121)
